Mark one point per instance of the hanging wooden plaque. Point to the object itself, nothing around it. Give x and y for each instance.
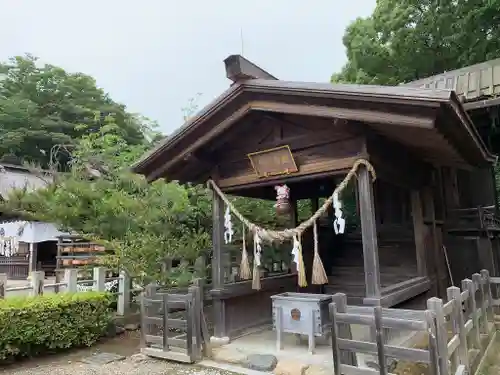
(273, 162)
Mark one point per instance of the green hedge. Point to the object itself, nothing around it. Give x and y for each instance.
(34, 325)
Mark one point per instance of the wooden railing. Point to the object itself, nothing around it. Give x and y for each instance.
(456, 332)
(489, 216)
(122, 286)
(473, 219)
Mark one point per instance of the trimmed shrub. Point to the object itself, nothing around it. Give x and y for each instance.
(35, 325)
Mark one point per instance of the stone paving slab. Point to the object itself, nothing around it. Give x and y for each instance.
(102, 358)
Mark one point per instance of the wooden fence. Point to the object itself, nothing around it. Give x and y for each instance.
(456, 332)
(121, 286)
(173, 325)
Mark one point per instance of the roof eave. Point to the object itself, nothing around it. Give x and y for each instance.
(466, 121)
(141, 165)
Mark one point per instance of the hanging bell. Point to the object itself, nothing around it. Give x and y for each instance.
(283, 205)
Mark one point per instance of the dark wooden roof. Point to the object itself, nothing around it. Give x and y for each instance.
(383, 106)
(478, 85)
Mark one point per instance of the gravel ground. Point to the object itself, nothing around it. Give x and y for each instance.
(135, 365)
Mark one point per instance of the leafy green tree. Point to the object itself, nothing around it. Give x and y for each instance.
(44, 106)
(101, 199)
(405, 40)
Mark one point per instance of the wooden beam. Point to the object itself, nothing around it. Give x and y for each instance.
(239, 69)
(369, 234)
(306, 170)
(478, 104)
(417, 286)
(419, 232)
(366, 116)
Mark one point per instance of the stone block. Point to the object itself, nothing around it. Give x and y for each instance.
(103, 358)
(138, 358)
(219, 341)
(261, 362)
(228, 356)
(290, 367)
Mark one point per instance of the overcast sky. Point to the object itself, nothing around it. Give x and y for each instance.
(155, 55)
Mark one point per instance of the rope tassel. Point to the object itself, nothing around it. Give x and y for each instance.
(245, 264)
(318, 274)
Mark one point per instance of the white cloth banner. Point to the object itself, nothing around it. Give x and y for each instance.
(30, 231)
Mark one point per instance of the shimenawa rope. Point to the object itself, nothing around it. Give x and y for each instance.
(319, 275)
(281, 235)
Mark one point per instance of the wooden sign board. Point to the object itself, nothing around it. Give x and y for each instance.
(273, 162)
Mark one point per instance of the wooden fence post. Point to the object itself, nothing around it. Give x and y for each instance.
(477, 279)
(379, 339)
(455, 356)
(148, 293)
(459, 326)
(337, 361)
(489, 298)
(194, 319)
(37, 279)
(166, 329)
(344, 330)
(71, 279)
(471, 287)
(200, 267)
(99, 279)
(436, 306)
(433, 351)
(204, 327)
(3, 285)
(123, 304)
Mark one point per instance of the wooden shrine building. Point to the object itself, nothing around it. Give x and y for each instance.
(472, 222)
(412, 137)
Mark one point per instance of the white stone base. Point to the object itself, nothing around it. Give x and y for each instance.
(219, 341)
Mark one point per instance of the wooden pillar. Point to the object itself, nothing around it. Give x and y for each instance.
(485, 253)
(369, 234)
(437, 245)
(219, 312)
(419, 232)
(450, 188)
